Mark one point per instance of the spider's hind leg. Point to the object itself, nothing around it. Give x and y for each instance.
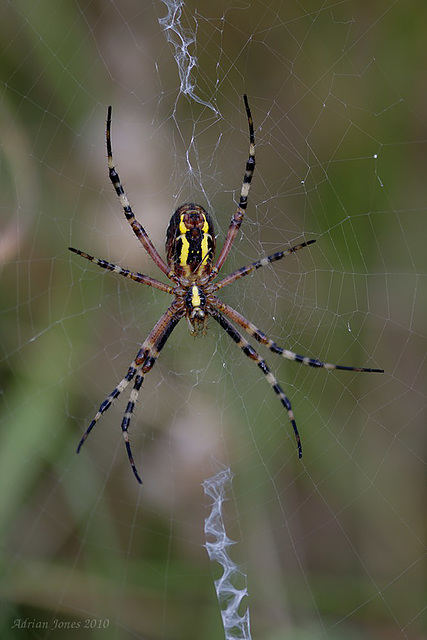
(126, 422)
(143, 363)
(106, 404)
(249, 351)
(261, 337)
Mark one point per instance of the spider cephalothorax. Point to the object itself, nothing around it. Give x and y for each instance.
(190, 250)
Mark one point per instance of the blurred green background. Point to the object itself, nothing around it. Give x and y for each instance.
(334, 545)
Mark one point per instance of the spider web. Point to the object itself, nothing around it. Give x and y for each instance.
(332, 545)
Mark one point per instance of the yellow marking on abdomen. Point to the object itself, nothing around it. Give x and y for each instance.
(183, 256)
(205, 238)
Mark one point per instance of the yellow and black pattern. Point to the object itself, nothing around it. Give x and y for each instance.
(190, 253)
(190, 240)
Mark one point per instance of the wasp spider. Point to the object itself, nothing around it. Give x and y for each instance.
(192, 269)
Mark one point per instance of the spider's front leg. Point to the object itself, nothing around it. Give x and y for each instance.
(137, 227)
(238, 216)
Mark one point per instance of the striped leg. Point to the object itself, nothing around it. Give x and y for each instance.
(237, 218)
(244, 271)
(143, 363)
(256, 333)
(154, 344)
(106, 404)
(137, 227)
(138, 277)
(126, 422)
(249, 351)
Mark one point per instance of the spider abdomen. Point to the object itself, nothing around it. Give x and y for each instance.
(190, 241)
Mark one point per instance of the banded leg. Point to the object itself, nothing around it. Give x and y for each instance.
(137, 227)
(138, 277)
(244, 271)
(144, 361)
(126, 422)
(106, 404)
(155, 345)
(256, 333)
(249, 351)
(237, 218)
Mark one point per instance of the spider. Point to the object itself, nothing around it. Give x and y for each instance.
(190, 265)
